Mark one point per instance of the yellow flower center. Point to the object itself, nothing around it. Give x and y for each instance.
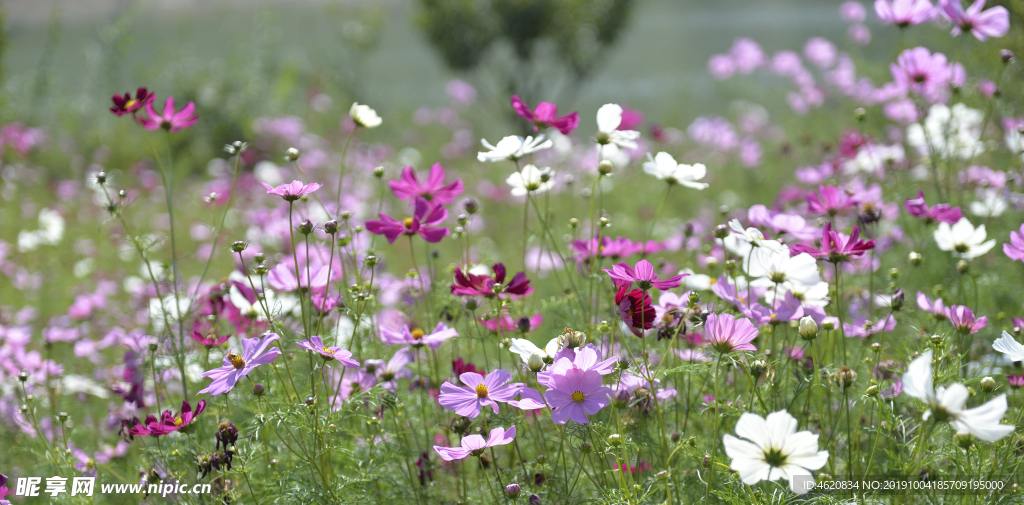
(712, 281)
(407, 222)
(326, 350)
(481, 390)
(577, 396)
(177, 421)
(236, 361)
(130, 103)
(417, 334)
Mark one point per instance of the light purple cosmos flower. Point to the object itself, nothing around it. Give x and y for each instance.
(424, 222)
(292, 191)
(255, 352)
(852, 12)
(938, 213)
(475, 444)
(1015, 248)
(928, 74)
(904, 13)
(585, 358)
(316, 344)
(576, 394)
(936, 308)
(964, 321)
(395, 368)
(642, 274)
(994, 22)
(169, 119)
(478, 392)
(727, 334)
(417, 337)
(433, 190)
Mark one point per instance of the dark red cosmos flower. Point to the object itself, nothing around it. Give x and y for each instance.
(635, 309)
(467, 284)
(169, 423)
(125, 104)
(460, 367)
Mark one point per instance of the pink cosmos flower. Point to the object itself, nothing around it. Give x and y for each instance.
(3, 488)
(852, 12)
(939, 213)
(1015, 248)
(642, 274)
(920, 71)
(584, 358)
(209, 339)
(904, 13)
(467, 284)
(936, 308)
(169, 423)
(864, 327)
(829, 200)
(316, 344)
(417, 337)
(478, 392)
(836, 247)
(546, 115)
(292, 191)
(169, 119)
(255, 352)
(395, 368)
(1015, 381)
(523, 324)
(726, 333)
(994, 22)
(434, 190)
(576, 394)
(692, 355)
(475, 444)
(424, 222)
(721, 66)
(963, 320)
(125, 104)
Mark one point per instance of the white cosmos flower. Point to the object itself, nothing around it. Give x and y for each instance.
(696, 282)
(754, 237)
(872, 158)
(948, 133)
(949, 404)
(531, 180)
(778, 267)
(963, 239)
(50, 232)
(771, 449)
(990, 205)
(164, 309)
(1010, 347)
(524, 348)
(609, 117)
(512, 148)
(815, 295)
(664, 167)
(364, 116)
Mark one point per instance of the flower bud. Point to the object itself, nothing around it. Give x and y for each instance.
(306, 227)
(571, 339)
(238, 246)
(859, 114)
(808, 328)
(122, 193)
(988, 384)
(370, 260)
(1006, 55)
(604, 222)
(962, 267)
(876, 347)
(614, 440)
(585, 447)
(152, 347)
(292, 154)
(258, 390)
(963, 439)
(471, 206)
(23, 376)
(605, 167)
(62, 417)
(721, 231)
(574, 223)
(536, 362)
(101, 178)
(872, 390)
(512, 490)
(235, 147)
(915, 258)
(260, 257)
(378, 172)
(844, 377)
(828, 325)
(896, 303)
(534, 500)
(331, 227)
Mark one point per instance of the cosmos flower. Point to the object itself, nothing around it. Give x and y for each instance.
(546, 115)
(829, 201)
(292, 191)
(526, 349)
(1007, 345)
(664, 167)
(576, 394)
(726, 333)
(771, 449)
(643, 275)
(994, 22)
(609, 117)
(125, 104)
(475, 444)
(417, 337)
(936, 308)
(395, 368)
(837, 247)
(949, 404)
(903, 13)
(635, 309)
(424, 221)
(778, 267)
(210, 339)
(434, 190)
(963, 239)
(169, 423)
(513, 148)
(531, 180)
(491, 286)
(1014, 249)
(169, 119)
(364, 116)
(316, 344)
(938, 213)
(963, 320)
(506, 322)
(256, 352)
(478, 392)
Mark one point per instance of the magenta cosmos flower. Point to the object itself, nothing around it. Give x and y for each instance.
(829, 200)
(938, 213)
(125, 104)
(475, 444)
(726, 333)
(210, 339)
(434, 190)
(545, 115)
(478, 392)
(417, 337)
(490, 286)
(255, 352)
(836, 247)
(169, 119)
(964, 321)
(169, 423)
(994, 22)
(920, 71)
(292, 191)
(424, 222)
(316, 344)
(1015, 248)
(904, 13)
(642, 274)
(576, 394)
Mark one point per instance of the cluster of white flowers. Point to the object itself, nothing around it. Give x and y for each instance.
(948, 133)
(50, 232)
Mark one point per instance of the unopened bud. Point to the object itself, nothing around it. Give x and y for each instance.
(962, 267)
(915, 258)
(471, 206)
(963, 439)
(585, 447)
(512, 490)
(101, 178)
(378, 172)
(859, 113)
(605, 167)
(370, 260)
(536, 362)
(721, 231)
(331, 227)
(62, 417)
(614, 440)
(988, 384)
(808, 328)
(238, 246)
(844, 377)
(573, 222)
(1006, 55)
(828, 325)
(258, 390)
(292, 154)
(306, 227)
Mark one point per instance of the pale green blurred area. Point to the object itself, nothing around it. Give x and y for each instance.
(279, 50)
